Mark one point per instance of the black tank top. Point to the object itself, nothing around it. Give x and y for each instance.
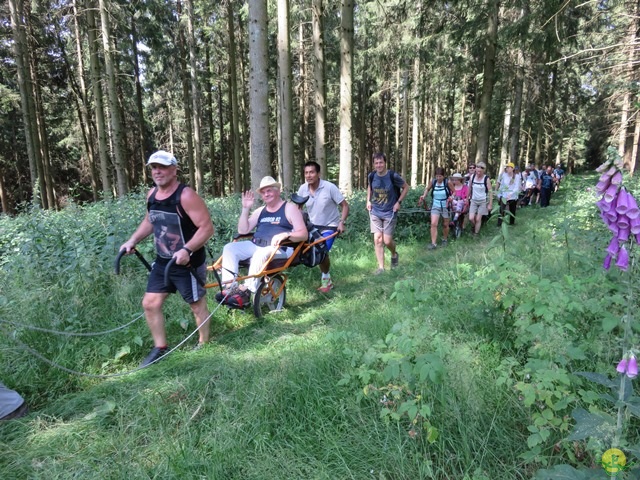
(270, 224)
(172, 227)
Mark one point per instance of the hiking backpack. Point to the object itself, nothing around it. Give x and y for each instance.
(318, 252)
(446, 186)
(486, 185)
(397, 189)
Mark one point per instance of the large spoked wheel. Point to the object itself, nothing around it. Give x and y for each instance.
(270, 296)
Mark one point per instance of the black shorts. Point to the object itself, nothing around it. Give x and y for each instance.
(181, 279)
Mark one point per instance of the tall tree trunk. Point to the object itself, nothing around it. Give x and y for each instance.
(258, 93)
(451, 114)
(41, 131)
(195, 100)
(98, 97)
(208, 87)
(223, 144)
(629, 74)
(143, 148)
(346, 71)
(482, 152)
(405, 122)
(416, 122)
(504, 150)
(319, 90)
(234, 131)
(362, 144)
(20, 45)
(397, 145)
(83, 110)
(514, 144)
(186, 97)
(303, 99)
(285, 97)
(114, 107)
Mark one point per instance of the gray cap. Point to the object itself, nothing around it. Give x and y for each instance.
(162, 158)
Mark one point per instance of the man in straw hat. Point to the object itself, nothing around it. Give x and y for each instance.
(275, 222)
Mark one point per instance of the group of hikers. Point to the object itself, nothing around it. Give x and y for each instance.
(469, 197)
(181, 225)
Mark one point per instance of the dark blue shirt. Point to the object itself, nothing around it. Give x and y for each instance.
(383, 193)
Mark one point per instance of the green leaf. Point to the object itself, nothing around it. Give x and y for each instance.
(590, 425)
(533, 440)
(412, 412)
(599, 379)
(609, 322)
(567, 472)
(432, 434)
(124, 350)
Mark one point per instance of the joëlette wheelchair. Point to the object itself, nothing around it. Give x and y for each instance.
(272, 286)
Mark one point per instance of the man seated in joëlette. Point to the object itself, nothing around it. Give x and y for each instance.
(276, 222)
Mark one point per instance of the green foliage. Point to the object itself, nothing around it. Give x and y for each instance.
(474, 362)
(400, 373)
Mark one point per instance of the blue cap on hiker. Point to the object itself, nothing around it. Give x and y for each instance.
(162, 158)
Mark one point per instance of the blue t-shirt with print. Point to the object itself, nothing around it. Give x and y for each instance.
(383, 193)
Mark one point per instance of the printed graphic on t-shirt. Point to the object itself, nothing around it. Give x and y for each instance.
(273, 220)
(167, 233)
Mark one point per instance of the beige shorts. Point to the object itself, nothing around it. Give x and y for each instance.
(385, 226)
(479, 206)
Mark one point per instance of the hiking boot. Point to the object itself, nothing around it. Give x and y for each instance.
(432, 246)
(226, 293)
(394, 260)
(155, 354)
(326, 286)
(379, 271)
(444, 242)
(21, 411)
(239, 299)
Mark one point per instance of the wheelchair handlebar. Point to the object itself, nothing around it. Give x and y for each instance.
(171, 263)
(122, 253)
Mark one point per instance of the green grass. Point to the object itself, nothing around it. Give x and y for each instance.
(265, 399)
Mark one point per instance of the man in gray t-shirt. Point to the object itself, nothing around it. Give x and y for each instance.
(12, 405)
(322, 207)
(385, 193)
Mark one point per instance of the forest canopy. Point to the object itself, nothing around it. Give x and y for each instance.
(89, 88)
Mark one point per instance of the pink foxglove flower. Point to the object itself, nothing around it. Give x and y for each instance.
(622, 203)
(616, 179)
(611, 193)
(632, 207)
(632, 367)
(612, 171)
(604, 166)
(601, 187)
(602, 205)
(607, 262)
(623, 234)
(622, 365)
(613, 247)
(623, 222)
(623, 264)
